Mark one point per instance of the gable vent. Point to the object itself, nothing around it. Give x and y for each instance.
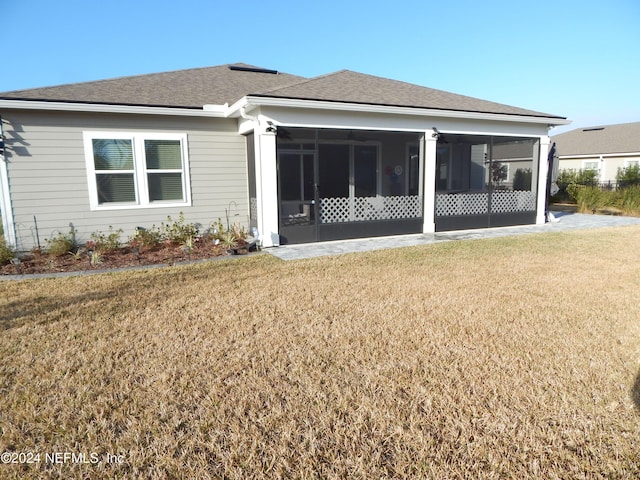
(238, 68)
(593, 129)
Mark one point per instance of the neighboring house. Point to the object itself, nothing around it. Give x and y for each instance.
(338, 156)
(604, 149)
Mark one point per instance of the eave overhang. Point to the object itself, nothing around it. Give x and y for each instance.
(214, 111)
(255, 101)
(251, 102)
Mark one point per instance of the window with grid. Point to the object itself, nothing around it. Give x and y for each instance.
(137, 170)
(591, 165)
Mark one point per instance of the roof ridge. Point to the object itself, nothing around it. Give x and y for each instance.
(598, 127)
(302, 82)
(127, 77)
(409, 85)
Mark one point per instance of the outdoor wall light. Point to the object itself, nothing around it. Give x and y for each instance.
(271, 128)
(435, 133)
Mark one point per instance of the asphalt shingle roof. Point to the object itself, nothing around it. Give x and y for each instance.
(620, 138)
(191, 88)
(194, 88)
(354, 87)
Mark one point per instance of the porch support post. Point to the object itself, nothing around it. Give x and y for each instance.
(429, 189)
(543, 169)
(267, 187)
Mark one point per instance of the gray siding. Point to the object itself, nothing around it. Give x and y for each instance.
(48, 178)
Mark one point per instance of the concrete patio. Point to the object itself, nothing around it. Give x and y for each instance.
(566, 221)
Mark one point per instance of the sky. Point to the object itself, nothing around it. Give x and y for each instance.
(576, 59)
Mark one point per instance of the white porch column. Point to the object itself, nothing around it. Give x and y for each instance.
(267, 187)
(543, 169)
(429, 189)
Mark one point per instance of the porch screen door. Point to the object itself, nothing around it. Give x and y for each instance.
(297, 197)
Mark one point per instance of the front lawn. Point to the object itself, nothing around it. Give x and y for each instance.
(504, 358)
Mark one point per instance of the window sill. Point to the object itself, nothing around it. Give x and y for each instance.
(131, 206)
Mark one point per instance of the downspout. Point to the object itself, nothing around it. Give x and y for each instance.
(246, 116)
(8, 225)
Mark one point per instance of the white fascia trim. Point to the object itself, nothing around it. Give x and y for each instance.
(600, 155)
(357, 107)
(241, 105)
(210, 111)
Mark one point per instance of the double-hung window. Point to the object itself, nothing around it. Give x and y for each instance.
(591, 165)
(137, 170)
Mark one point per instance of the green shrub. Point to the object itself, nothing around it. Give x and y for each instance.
(565, 178)
(106, 242)
(628, 176)
(220, 233)
(148, 238)
(6, 252)
(95, 258)
(570, 176)
(178, 231)
(522, 179)
(587, 177)
(61, 244)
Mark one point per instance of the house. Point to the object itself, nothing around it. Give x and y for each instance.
(337, 156)
(603, 149)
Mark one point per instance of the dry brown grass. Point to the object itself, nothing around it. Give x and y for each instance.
(506, 358)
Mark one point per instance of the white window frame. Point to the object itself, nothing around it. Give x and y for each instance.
(586, 162)
(139, 170)
(629, 163)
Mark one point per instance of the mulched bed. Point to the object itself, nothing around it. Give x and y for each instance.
(40, 262)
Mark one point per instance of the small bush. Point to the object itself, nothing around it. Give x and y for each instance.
(629, 176)
(572, 176)
(106, 242)
(239, 231)
(522, 179)
(587, 177)
(565, 178)
(61, 244)
(220, 233)
(147, 238)
(6, 252)
(178, 231)
(95, 258)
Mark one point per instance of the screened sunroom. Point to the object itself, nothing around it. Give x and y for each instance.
(336, 184)
(345, 183)
(485, 181)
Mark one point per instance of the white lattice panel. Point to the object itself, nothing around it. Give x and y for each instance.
(335, 210)
(451, 204)
(253, 208)
(367, 208)
(359, 209)
(409, 206)
(515, 201)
